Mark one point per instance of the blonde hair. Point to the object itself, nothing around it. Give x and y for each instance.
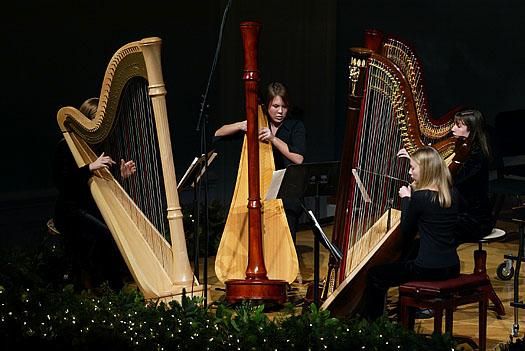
(433, 173)
(89, 107)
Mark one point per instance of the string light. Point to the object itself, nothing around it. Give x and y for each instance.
(147, 329)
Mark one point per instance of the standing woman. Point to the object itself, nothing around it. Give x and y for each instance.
(288, 139)
(429, 207)
(472, 178)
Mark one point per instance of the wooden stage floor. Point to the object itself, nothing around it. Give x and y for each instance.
(465, 318)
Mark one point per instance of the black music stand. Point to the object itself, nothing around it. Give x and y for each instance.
(518, 216)
(190, 180)
(313, 179)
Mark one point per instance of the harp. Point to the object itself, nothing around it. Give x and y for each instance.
(143, 211)
(280, 257)
(387, 110)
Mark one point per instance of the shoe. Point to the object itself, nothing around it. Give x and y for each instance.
(424, 313)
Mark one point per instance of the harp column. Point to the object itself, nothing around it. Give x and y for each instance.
(356, 81)
(183, 275)
(256, 285)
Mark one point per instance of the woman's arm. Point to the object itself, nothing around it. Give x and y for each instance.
(410, 206)
(285, 150)
(229, 129)
(470, 168)
(295, 149)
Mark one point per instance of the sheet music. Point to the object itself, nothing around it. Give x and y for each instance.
(188, 171)
(210, 159)
(197, 161)
(275, 185)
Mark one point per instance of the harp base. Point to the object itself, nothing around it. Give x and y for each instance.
(256, 289)
(177, 293)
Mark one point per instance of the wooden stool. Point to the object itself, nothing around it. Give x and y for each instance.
(480, 267)
(446, 295)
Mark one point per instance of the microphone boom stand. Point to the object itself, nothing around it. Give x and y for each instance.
(201, 126)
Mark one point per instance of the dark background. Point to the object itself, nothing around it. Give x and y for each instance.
(54, 54)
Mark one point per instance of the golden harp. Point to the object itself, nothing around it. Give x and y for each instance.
(142, 212)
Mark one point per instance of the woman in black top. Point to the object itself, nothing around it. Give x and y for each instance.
(472, 178)
(429, 207)
(288, 139)
(287, 136)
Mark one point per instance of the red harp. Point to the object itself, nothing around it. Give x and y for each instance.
(387, 110)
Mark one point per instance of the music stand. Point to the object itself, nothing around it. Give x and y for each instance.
(195, 171)
(313, 179)
(189, 180)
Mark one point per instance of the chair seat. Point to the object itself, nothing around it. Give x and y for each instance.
(446, 295)
(494, 235)
(444, 287)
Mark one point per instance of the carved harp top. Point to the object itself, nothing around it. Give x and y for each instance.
(142, 212)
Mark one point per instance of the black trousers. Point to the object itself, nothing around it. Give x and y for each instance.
(381, 278)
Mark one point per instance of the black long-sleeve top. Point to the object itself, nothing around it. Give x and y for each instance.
(71, 182)
(436, 227)
(472, 183)
(293, 133)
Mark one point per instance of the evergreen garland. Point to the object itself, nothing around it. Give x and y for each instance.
(38, 308)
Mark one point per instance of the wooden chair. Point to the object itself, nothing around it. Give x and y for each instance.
(480, 267)
(446, 296)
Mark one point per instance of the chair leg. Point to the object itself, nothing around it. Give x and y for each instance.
(483, 304)
(449, 320)
(438, 320)
(480, 261)
(480, 266)
(404, 313)
(498, 305)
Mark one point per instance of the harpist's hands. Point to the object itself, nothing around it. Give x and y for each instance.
(127, 168)
(101, 162)
(403, 153)
(265, 134)
(405, 191)
(242, 125)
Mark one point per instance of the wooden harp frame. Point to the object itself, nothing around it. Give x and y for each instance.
(160, 268)
(345, 285)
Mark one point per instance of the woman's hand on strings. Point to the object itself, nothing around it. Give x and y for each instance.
(405, 191)
(127, 168)
(265, 134)
(102, 161)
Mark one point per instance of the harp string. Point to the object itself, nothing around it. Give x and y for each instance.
(405, 58)
(378, 143)
(133, 137)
